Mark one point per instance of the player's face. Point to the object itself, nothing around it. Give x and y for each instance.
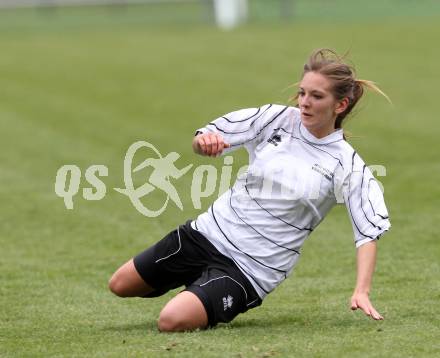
(317, 104)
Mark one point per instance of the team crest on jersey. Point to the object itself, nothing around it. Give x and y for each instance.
(275, 138)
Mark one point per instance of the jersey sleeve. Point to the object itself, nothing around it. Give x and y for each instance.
(365, 204)
(245, 127)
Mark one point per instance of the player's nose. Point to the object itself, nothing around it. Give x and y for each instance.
(306, 101)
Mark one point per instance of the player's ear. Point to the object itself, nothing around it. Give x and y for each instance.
(342, 105)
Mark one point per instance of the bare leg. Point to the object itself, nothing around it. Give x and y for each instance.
(185, 312)
(126, 282)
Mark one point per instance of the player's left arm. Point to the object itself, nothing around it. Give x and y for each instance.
(368, 214)
(366, 262)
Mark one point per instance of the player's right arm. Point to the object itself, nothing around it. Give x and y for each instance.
(209, 144)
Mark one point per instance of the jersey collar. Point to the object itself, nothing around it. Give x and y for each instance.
(331, 138)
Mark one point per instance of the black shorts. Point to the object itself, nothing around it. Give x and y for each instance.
(186, 257)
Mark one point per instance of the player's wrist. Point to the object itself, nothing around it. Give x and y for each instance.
(361, 291)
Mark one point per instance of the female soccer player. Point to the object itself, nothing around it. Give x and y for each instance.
(250, 239)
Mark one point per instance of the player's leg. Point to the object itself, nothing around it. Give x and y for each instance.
(126, 282)
(216, 296)
(168, 264)
(184, 312)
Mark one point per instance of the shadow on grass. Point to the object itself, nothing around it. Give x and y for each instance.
(273, 323)
(300, 322)
(150, 327)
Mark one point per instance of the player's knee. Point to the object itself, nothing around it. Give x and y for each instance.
(117, 286)
(172, 322)
(168, 322)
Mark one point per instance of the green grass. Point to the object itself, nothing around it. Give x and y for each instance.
(83, 95)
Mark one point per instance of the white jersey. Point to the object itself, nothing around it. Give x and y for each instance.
(292, 182)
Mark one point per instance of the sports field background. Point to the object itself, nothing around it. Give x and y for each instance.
(78, 86)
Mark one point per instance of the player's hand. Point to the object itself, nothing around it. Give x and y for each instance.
(210, 144)
(362, 301)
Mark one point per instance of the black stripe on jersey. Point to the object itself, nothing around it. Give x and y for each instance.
(322, 150)
(250, 125)
(362, 206)
(195, 224)
(371, 179)
(383, 217)
(251, 257)
(246, 119)
(262, 129)
(250, 276)
(273, 242)
(349, 199)
(276, 217)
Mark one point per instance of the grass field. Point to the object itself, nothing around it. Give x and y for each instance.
(81, 95)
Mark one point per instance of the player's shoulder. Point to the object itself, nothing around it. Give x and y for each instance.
(270, 113)
(350, 158)
(281, 112)
(248, 112)
(267, 109)
(280, 108)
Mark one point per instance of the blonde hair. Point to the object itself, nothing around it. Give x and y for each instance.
(342, 77)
